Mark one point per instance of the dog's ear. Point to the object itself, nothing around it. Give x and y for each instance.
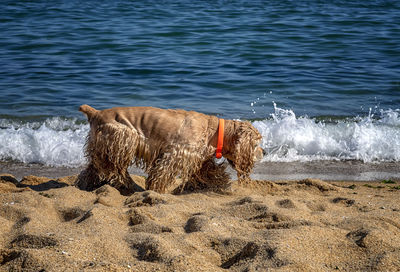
(88, 111)
(247, 139)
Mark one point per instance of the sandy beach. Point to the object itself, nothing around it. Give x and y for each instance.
(47, 224)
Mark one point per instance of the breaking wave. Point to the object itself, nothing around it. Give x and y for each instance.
(374, 138)
(54, 142)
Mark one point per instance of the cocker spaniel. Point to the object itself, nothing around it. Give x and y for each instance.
(165, 143)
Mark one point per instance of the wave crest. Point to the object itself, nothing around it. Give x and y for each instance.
(286, 137)
(372, 138)
(54, 142)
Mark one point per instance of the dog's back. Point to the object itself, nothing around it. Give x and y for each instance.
(165, 125)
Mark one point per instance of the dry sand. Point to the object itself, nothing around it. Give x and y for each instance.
(304, 225)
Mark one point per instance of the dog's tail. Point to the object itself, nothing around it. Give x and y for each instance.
(89, 111)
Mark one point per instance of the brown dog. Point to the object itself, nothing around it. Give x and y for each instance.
(165, 143)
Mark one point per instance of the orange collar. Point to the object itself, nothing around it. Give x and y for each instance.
(220, 144)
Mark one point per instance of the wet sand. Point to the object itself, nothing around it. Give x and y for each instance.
(273, 171)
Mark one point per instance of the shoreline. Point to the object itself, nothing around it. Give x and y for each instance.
(356, 171)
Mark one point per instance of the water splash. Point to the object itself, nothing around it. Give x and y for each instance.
(371, 138)
(55, 142)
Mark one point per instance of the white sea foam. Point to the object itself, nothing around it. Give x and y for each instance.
(55, 142)
(60, 142)
(369, 139)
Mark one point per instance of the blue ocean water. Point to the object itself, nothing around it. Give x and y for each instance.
(319, 79)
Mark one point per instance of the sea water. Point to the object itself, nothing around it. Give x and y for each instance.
(318, 79)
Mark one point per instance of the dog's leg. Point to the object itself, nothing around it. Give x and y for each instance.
(162, 172)
(89, 179)
(174, 160)
(125, 184)
(110, 150)
(159, 179)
